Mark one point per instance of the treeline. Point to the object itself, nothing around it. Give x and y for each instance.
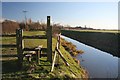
(78, 28)
(11, 26)
(34, 26)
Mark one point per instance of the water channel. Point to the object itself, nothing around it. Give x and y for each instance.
(99, 64)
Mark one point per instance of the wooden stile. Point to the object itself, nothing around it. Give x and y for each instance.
(20, 45)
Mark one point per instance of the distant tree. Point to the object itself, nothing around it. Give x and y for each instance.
(35, 26)
(56, 28)
(9, 26)
(44, 26)
(22, 25)
(0, 28)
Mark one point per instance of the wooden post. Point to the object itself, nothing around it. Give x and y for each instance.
(53, 61)
(38, 53)
(49, 40)
(58, 39)
(28, 56)
(37, 57)
(19, 33)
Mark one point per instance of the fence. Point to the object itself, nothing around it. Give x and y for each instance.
(20, 44)
(9, 45)
(57, 50)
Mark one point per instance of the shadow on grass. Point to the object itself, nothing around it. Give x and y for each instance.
(9, 66)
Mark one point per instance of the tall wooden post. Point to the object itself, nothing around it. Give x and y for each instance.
(49, 40)
(58, 39)
(19, 33)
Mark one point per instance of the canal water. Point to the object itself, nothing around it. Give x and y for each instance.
(99, 64)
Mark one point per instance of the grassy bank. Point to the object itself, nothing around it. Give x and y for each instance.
(105, 41)
(42, 71)
(71, 48)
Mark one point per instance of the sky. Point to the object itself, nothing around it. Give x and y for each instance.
(60, 0)
(98, 15)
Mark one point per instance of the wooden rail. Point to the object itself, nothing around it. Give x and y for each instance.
(12, 35)
(35, 37)
(11, 55)
(62, 57)
(8, 45)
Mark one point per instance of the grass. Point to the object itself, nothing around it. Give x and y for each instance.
(107, 42)
(42, 71)
(29, 43)
(102, 31)
(29, 33)
(9, 40)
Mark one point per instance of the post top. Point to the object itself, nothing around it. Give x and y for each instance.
(48, 16)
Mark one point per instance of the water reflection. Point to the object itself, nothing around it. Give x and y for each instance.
(99, 64)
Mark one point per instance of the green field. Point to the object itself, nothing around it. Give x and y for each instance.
(10, 68)
(103, 40)
(102, 31)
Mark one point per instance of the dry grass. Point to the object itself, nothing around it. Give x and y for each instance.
(70, 48)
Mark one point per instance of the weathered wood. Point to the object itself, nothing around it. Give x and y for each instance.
(8, 45)
(33, 49)
(38, 54)
(35, 37)
(43, 55)
(4, 35)
(11, 55)
(49, 40)
(30, 52)
(44, 49)
(22, 44)
(36, 50)
(19, 34)
(39, 47)
(57, 45)
(53, 63)
(59, 41)
(29, 49)
(37, 57)
(62, 57)
(28, 56)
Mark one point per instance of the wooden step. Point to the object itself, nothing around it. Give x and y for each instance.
(43, 55)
